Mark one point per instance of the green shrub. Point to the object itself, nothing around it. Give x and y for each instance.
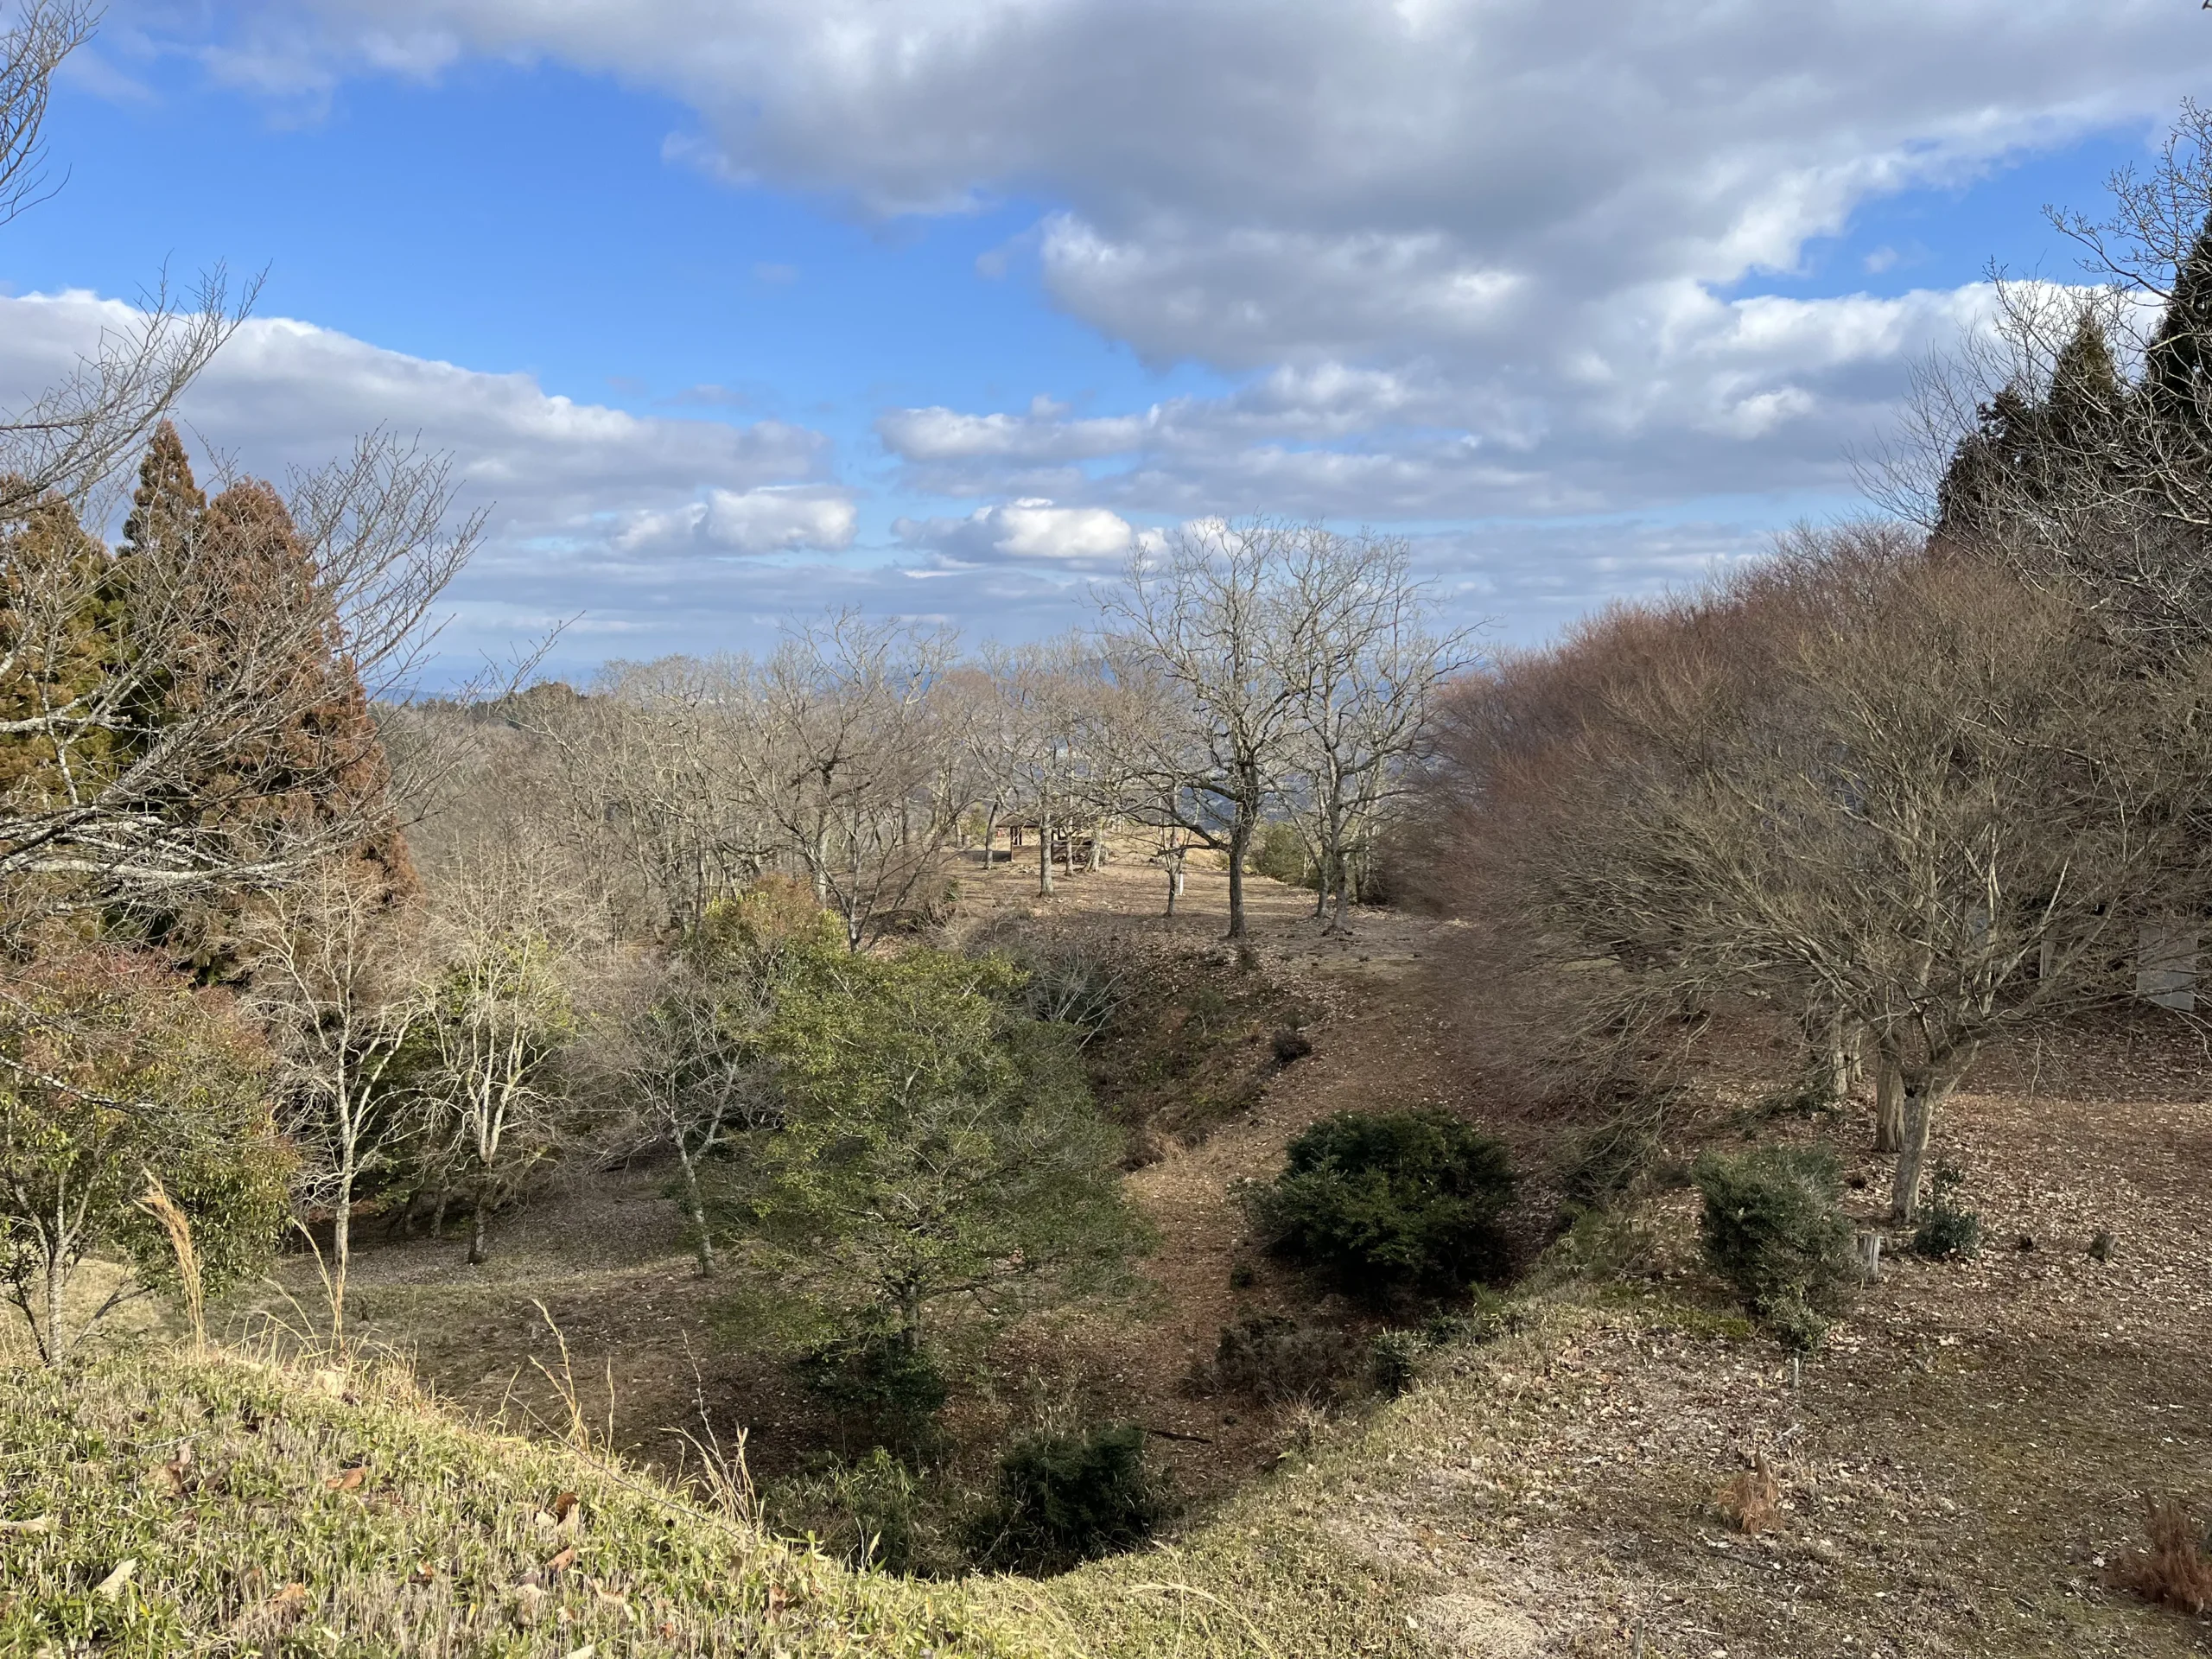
(1771, 1229)
(1272, 1359)
(1279, 851)
(1391, 1202)
(1393, 1360)
(1947, 1231)
(893, 1387)
(1067, 1498)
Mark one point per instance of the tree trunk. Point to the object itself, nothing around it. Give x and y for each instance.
(479, 1252)
(695, 1210)
(341, 1249)
(1097, 847)
(438, 1211)
(990, 838)
(50, 1347)
(1920, 1100)
(1044, 855)
(341, 1235)
(1240, 840)
(1175, 877)
(1889, 1106)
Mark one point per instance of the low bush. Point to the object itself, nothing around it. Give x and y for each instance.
(1393, 1202)
(1082, 984)
(1067, 1498)
(1279, 851)
(1946, 1230)
(1393, 1361)
(894, 1389)
(1274, 1360)
(1607, 1160)
(1771, 1229)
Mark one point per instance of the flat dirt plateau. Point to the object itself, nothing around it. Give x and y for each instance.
(1962, 1470)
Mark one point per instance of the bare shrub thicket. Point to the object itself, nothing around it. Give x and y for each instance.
(1913, 791)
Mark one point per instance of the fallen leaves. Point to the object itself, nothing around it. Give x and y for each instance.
(111, 1587)
(36, 1524)
(348, 1479)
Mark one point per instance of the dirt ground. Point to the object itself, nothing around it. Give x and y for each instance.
(1964, 1468)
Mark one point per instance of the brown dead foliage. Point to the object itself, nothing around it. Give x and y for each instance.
(2174, 1570)
(1752, 1501)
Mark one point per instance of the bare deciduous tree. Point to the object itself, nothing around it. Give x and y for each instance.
(333, 981)
(1213, 620)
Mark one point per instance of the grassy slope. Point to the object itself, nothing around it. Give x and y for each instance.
(260, 1541)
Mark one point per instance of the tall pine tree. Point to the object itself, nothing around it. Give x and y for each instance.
(2178, 365)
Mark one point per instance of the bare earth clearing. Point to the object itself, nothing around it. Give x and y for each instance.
(1963, 1468)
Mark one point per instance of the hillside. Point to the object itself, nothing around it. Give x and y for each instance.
(1962, 1470)
(160, 1505)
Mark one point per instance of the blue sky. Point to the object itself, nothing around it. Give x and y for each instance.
(934, 308)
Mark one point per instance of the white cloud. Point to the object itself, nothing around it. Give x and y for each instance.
(592, 509)
(1457, 259)
(1028, 529)
(774, 518)
(1469, 255)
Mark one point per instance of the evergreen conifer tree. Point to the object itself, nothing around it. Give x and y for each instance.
(167, 508)
(2178, 366)
(231, 587)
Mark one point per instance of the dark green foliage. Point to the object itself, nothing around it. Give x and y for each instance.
(1946, 1230)
(1279, 851)
(894, 1388)
(1273, 1359)
(932, 1145)
(1066, 1498)
(2178, 365)
(1771, 1229)
(1388, 1203)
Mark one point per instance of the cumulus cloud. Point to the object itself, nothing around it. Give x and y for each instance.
(1471, 256)
(1027, 530)
(592, 509)
(774, 518)
(1455, 259)
(284, 393)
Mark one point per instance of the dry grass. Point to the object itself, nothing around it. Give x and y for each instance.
(158, 1505)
